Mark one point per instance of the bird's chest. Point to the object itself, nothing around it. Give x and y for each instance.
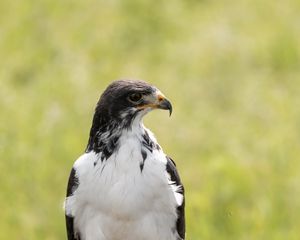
(128, 184)
(126, 196)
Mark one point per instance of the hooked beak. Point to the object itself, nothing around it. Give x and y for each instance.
(157, 101)
(165, 104)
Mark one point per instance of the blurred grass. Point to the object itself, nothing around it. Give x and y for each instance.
(231, 69)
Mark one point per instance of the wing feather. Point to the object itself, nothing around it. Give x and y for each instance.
(180, 224)
(72, 185)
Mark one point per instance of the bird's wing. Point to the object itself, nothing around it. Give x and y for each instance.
(72, 185)
(171, 169)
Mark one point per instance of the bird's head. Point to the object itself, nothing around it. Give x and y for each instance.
(122, 106)
(126, 100)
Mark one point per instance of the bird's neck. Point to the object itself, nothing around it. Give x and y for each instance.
(105, 134)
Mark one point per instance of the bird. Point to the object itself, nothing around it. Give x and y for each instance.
(124, 186)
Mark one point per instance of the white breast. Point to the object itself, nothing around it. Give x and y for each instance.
(116, 200)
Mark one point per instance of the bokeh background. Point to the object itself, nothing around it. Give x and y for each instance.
(231, 69)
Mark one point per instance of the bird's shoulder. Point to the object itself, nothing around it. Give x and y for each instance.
(172, 170)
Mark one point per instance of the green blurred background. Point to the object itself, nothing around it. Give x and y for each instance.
(231, 69)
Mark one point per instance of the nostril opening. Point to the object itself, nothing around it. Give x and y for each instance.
(160, 98)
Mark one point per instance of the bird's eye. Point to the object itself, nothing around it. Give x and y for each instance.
(135, 97)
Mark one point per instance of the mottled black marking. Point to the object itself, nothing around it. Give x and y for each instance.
(129, 117)
(105, 140)
(141, 166)
(157, 147)
(147, 142)
(144, 155)
(180, 223)
(72, 186)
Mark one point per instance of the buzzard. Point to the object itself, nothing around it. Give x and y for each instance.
(124, 186)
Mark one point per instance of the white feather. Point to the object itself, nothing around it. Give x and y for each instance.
(115, 200)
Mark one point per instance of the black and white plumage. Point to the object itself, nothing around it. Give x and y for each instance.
(124, 186)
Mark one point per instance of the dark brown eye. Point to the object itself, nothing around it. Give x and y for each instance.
(135, 97)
